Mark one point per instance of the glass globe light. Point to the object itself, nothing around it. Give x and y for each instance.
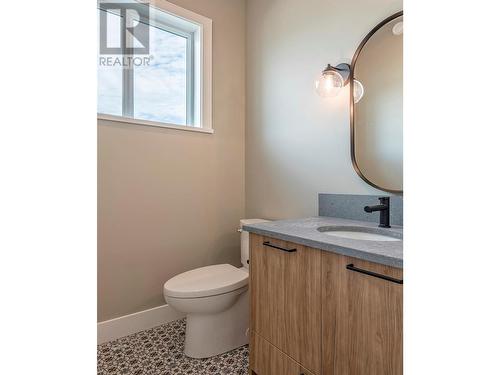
(398, 28)
(358, 90)
(329, 83)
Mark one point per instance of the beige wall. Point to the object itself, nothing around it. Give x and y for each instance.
(297, 144)
(171, 200)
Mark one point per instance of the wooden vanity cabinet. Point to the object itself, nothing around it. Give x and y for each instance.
(362, 317)
(285, 289)
(315, 312)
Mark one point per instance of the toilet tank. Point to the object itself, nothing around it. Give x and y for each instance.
(245, 240)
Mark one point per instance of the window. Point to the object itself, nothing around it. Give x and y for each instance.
(168, 86)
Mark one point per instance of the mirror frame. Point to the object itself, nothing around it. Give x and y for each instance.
(351, 100)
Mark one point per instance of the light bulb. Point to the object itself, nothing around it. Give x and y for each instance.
(358, 90)
(329, 83)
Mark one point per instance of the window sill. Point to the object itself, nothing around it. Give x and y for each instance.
(133, 121)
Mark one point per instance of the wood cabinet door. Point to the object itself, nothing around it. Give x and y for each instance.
(362, 318)
(265, 359)
(285, 289)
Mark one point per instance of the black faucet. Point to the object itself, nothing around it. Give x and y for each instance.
(384, 208)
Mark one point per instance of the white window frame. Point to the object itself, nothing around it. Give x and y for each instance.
(199, 67)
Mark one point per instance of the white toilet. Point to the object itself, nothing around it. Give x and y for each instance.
(215, 300)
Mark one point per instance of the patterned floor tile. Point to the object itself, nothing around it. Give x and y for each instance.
(160, 351)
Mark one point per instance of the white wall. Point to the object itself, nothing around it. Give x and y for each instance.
(171, 200)
(297, 144)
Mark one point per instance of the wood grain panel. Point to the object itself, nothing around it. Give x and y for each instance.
(362, 319)
(285, 293)
(266, 359)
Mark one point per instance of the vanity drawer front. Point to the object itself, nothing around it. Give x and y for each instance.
(362, 317)
(285, 289)
(266, 359)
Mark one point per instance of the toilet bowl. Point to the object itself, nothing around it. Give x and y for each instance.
(215, 300)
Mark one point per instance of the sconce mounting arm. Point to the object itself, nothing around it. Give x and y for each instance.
(343, 69)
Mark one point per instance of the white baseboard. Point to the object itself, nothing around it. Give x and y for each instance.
(126, 325)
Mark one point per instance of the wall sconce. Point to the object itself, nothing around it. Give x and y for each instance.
(334, 78)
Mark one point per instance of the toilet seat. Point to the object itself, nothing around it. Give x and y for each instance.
(206, 281)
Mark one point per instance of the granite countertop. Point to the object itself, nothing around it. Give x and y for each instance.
(304, 232)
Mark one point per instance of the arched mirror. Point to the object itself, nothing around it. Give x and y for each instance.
(377, 106)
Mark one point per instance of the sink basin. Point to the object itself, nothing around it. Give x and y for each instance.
(362, 233)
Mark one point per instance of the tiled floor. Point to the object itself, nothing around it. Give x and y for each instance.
(160, 351)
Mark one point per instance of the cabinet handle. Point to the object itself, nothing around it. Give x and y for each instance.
(269, 244)
(351, 267)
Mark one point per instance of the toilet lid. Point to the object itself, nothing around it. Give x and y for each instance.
(206, 281)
